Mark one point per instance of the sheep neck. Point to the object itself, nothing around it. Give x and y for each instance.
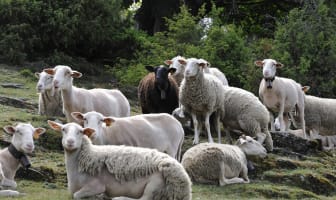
(71, 164)
(269, 82)
(67, 97)
(19, 156)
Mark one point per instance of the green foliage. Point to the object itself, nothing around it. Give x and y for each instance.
(306, 45)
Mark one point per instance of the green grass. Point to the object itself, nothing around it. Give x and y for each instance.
(276, 177)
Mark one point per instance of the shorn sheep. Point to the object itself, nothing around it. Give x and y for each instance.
(158, 131)
(107, 101)
(222, 164)
(50, 102)
(280, 94)
(15, 154)
(200, 95)
(158, 92)
(119, 171)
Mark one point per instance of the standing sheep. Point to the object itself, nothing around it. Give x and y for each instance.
(16, 154)
(200, 95)
(158, 131)
(158, 92)
(280, 94)
(50, 102)
(115, 171)
(107, 102)
(221, 163)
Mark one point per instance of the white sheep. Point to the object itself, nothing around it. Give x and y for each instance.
(158, 131)
(221, 164)
(178, 75)
(50, 102)
(106, 101)
(200, 95)
(280, 94)
(243, 112)
(119, 171)
(15, 154)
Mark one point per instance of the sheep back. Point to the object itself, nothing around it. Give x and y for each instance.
(202, 161)
(150, 98)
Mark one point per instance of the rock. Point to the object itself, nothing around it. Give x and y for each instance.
(18, 103)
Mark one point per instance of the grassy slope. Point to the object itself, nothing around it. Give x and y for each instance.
(276, 177)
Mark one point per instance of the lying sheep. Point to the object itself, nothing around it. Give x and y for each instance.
(15, 154)
(158, 92)
(108, 102)
(50, 102)
(162, 131)
(133, 172)
(221, 164)
(280, 94)
(200, 95)
(178, 75)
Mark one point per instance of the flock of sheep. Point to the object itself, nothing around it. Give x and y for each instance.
(110, 153)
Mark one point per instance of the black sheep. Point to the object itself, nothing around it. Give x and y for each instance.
(158, 92)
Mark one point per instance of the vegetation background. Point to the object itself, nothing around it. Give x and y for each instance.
(112, 41)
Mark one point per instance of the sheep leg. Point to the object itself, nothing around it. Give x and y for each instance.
(303, 123)
(286, 120)
(207, 126)
(8, 183)
(268, 139)
(90, 189)
(272, 121)
(223, 180)
(280, 116)
(196, 131)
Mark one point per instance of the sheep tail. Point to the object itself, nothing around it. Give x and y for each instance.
(178, 184)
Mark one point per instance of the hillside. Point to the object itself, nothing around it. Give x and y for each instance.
(283, 174)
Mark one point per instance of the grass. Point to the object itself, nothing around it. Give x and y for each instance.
(276, 177)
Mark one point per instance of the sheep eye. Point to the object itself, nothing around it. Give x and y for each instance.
(19, 132)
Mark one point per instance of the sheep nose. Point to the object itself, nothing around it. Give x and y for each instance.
(71, 141)
(39, 87)
(56, 82)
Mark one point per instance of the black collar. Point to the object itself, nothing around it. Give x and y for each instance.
(269, 82)
(19, 156)
(270, 79)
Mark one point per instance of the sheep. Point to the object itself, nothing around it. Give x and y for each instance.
(223, 164)
(280, 94)
(178, 75)
(106, 101)
(162, 131)
(243, 112)
(200, 95)
(50, 102)
(15, 154)
(119, 171)
(158, 92)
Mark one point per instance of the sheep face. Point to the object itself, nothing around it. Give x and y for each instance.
(95, 121)
(72, 134)
(193, 67)
(269, 67)
(251, 147)
(62, 76)
(175, 64)
(45, 81)
(22, 136)
(161, 78)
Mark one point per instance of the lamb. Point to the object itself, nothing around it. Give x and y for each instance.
(200, 95)
(15, 154)
(178, 75)
(119, 171)
(280, 94)
(243, 112)
(221, 164)
(50, 102)
(105, 101)
(162, 131)
(158, 92)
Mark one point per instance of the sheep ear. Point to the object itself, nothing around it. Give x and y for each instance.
(182, 61)
(305, 89)
(50, 71)
(108, 121)
(168, 62)
(78, 116)
(172, 70)
(10, 129)
(54, 125)
(88, 132)
(38, 131)
(149, 68)
(76, 74)
(202, 64)
(279, 65)
(259, 63)
(37, 74)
